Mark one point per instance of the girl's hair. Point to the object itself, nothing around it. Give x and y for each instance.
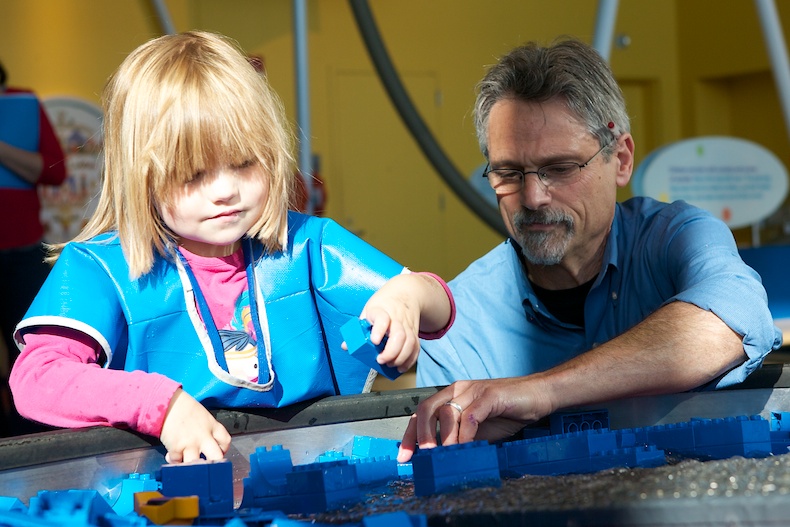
(177, 105)
(568, 69)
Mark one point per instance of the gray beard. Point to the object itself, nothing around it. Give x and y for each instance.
(543, 248)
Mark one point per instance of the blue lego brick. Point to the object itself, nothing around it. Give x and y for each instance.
(70, 507)
(706, 438)
(210, 481)
(325, 501)
(748, 436)
(451, 460)
(8, 503)
(375, 471)
(780, 421)
(780, 442)
(395, 519)
(675, 438)
(557, 448)
(366, 446)
(565, 422)
(331, 455)
(121, 497)
(267, 476)
(405, 469)
(453, 467)
(356, 334)
(640, 456)
(319, 487)
(322, 477)
(467, 480)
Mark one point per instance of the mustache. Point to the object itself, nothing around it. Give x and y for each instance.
(525, 218)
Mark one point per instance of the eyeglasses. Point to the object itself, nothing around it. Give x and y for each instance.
(510, 180)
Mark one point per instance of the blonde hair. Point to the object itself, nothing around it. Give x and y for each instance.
(177, 105)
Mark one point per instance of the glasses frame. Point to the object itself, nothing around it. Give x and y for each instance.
(546, 183)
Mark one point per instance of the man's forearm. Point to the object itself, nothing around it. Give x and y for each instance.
(677, 348)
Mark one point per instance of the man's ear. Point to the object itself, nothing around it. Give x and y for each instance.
(624, 153)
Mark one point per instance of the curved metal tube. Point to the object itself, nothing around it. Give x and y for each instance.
(411, 118)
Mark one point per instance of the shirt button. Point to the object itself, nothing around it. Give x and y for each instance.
(614, 295)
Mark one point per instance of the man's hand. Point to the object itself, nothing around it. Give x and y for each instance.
(190, 430)
(489, 410)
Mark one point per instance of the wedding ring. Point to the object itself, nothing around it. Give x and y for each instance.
(455, 405)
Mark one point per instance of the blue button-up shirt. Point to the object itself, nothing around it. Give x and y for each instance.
(656, 253)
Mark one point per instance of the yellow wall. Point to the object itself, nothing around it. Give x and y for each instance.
(690, 68)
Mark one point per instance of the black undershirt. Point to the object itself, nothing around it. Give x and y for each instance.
(565, 304)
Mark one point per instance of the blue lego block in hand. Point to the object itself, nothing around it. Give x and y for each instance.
(356, 334)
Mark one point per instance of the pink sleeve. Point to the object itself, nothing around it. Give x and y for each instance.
(57, 381)
(439, 334)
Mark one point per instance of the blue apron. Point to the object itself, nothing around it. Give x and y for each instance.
(304, 295)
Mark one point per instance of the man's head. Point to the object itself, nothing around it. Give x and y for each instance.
(569, 70)
(554, 127)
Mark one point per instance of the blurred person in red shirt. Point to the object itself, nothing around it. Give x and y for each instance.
(22, 266)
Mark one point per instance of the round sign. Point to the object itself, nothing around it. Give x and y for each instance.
(738, 181)
(66, 209)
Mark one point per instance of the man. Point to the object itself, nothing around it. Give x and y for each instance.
(590, 300)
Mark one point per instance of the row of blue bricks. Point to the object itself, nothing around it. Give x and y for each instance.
(336, 480)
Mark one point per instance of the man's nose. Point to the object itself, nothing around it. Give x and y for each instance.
(534, 193)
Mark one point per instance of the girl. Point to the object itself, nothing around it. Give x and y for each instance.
(193, 283)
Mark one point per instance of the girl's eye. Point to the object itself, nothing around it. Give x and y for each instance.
(196, 177)
(246, 164)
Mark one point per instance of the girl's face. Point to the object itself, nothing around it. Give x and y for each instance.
(212, 212)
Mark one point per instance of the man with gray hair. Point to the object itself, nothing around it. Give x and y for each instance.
(589, 300)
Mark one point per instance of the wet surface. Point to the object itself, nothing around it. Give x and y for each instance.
(707, 485)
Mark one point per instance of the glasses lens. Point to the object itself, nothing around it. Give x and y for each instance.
(559, 174)
(505, 181)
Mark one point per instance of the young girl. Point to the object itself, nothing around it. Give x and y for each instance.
(193, 283)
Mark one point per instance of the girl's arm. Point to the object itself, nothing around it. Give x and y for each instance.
(149, 403)
(57, 381)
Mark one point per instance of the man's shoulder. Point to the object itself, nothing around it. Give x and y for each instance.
(497, 266)
(643, 213)
(646, 206)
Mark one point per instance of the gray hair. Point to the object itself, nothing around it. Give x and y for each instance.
(568, 69)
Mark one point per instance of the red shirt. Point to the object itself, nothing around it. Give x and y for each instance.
(20, 222)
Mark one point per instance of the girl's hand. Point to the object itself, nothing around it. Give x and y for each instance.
(190, 430)
(398, 324)
(400, 309)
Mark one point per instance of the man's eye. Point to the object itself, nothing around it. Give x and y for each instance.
(507, 174)
(558, 171)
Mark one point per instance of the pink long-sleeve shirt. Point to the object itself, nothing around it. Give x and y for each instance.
(58, 380)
